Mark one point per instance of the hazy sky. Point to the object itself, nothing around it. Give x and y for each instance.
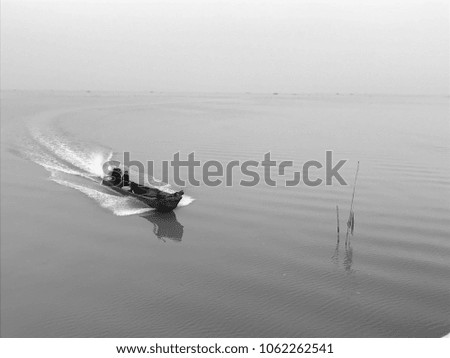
(380, 46)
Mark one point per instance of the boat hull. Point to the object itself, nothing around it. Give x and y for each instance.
(159, 200)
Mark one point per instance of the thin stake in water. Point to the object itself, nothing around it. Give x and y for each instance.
(351, 217)
(337, 218)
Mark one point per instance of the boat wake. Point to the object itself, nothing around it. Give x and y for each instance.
(119, 205)
(79, 165)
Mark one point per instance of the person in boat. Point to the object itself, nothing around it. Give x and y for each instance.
(126, 178)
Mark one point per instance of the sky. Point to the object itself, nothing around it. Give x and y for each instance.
(298, 46)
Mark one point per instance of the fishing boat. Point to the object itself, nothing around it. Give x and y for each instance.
(153, 197)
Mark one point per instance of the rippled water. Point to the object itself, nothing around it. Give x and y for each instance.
(79, 260)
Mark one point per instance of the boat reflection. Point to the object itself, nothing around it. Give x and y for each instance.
(165, 225)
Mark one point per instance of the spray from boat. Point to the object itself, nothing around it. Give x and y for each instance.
(79, 165)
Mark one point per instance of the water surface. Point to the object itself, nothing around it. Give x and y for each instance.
(79, 261)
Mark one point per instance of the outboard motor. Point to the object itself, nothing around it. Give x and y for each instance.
(116, 177)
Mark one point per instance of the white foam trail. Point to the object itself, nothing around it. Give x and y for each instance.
(66, 160)
(89, 162)
(96, 163)
(119, 205)
(185, 200)
(48, 162)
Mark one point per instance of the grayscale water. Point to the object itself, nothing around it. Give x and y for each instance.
(79, 261)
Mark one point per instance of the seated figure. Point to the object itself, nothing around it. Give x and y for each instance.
(126, 178)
